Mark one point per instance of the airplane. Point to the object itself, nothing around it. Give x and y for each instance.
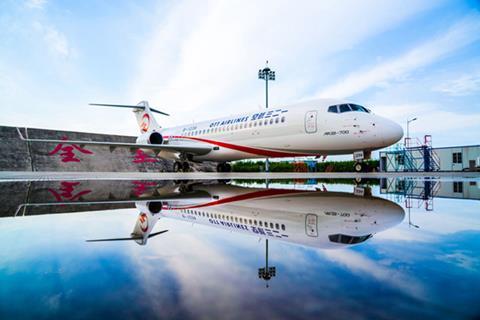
(315, 218)
(319, 219)
(315, 128)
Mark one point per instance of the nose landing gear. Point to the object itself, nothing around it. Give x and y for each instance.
(359, 157)
(359, 167)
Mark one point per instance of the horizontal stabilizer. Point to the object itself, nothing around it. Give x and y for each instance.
(124, 239)
(128, 106)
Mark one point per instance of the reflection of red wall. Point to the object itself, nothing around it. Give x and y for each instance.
(142, 157)
(140, 187)
(66, 191)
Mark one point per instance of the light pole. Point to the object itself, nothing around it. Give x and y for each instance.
(267, 273)
(410, 224)
(407, 139)
(266, 74)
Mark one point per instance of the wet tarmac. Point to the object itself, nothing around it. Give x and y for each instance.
(58, 176)
(235, 247)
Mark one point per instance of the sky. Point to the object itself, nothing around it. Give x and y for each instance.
(199, 59)
(200, 271)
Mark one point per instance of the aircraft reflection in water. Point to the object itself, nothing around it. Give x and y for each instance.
(318, 219)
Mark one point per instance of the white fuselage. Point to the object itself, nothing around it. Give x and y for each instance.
(307, 129)
(318, 219)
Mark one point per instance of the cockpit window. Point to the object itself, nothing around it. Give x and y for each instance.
(344, 108)
(333, 109)
(356, 107)
(346, 239)
(347, 108)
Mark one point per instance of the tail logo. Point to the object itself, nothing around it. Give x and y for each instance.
(145, 122)
(143, 219)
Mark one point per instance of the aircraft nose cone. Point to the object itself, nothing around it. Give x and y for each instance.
(393, 133)
(397, 132)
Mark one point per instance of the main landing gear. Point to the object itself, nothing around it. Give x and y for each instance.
(224, 167)
(181, 166)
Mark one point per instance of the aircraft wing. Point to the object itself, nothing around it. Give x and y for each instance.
(192, 149)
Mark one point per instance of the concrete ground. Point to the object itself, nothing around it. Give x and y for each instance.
(59, 176)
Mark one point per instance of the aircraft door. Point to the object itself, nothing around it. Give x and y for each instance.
(311, 121)
(311, 222)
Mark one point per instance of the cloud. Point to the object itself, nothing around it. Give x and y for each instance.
(466, 260)
(461, 34)
(35, 4)
(202, 59)
(56, 41)
(432, 118)
(358, 263)
(464, 85)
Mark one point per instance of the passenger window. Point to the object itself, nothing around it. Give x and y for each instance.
(276, 120)
(260, 223)
(277, 226)
(271, 121)
(333, 109)
(271, 225)
(260, 122)
(283, 227)
(283, 119)
(265, 122)
(255, 222)
(344, 108)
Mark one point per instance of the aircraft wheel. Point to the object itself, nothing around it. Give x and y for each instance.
(177, 166)
(358, 167)
(224, 167)
(186, 167)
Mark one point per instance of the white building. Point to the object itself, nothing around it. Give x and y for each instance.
(425, 158)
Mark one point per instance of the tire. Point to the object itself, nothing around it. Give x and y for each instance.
(177, 166)
(228, 167)
(221, 167)
(358, 167)
(186, 166)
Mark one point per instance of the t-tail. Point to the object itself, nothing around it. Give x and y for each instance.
(142, 231)
(144, 114)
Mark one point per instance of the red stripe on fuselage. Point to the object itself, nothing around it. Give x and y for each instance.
(241, 197)
(256, 151)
